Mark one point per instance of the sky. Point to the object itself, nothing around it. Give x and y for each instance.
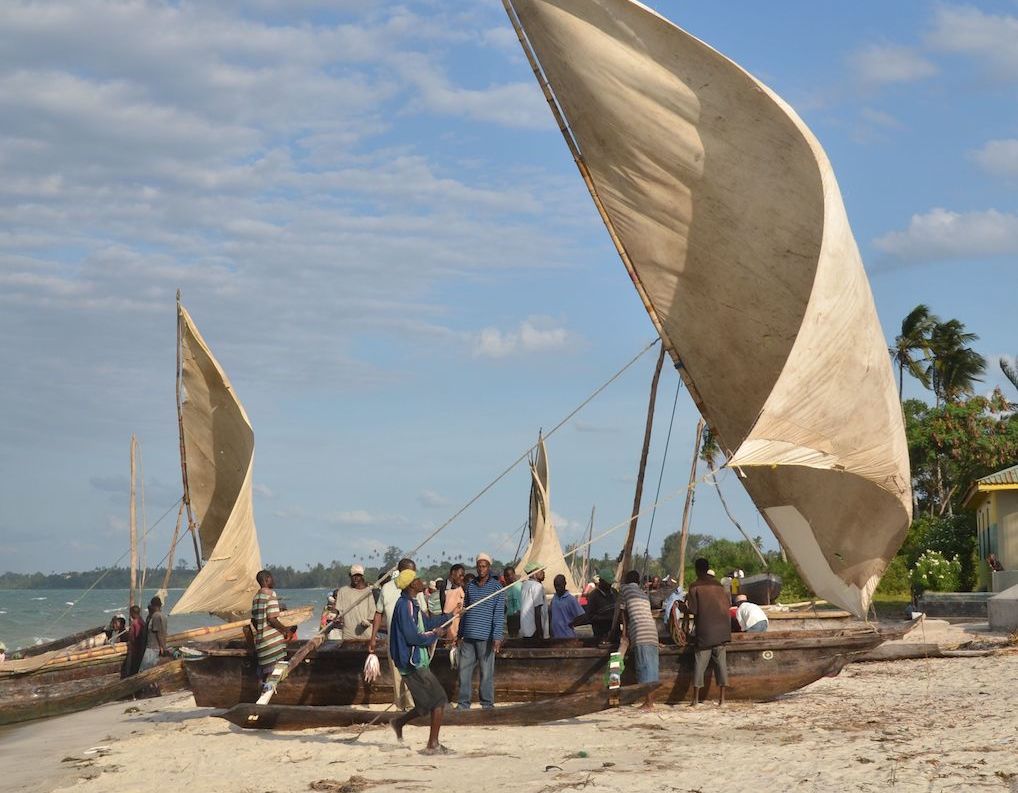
(379, 231)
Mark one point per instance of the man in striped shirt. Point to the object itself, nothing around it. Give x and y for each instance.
(480, 633)
(641, 630)
(269, 633)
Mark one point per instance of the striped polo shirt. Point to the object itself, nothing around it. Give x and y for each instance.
(486, 621)
(642, 628)
(270, 646)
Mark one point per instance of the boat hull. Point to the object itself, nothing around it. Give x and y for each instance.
(761, 666)
(61, 698)
(303, 717)
(34, 674)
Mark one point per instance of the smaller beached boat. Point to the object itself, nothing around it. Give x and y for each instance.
(59, 699)
(90, 637)
(305, 717)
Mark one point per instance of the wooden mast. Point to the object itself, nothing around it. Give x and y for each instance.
(180, 426)
(586, 557)
(134, 526)
(627, 551)
(687, 509)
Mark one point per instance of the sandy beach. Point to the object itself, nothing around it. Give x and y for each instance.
(924, 725)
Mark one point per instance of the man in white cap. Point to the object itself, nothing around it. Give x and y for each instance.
(355, 607)
(480, 633)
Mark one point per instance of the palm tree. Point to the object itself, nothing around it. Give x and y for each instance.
(955, 367)
(1010, 370)
(916, 329)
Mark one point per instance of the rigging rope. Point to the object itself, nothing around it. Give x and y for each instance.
(529, 450)
(109, 570)
(661, 475)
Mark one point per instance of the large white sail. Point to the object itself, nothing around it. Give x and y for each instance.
(545, 547)
(219, 452)
(729, 218)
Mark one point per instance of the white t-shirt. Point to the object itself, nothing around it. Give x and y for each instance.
(531, 596)
(749, 614)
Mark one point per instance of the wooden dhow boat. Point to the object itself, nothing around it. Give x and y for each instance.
(727, 216)
(217, 452)
(59, 699)
(762, 666)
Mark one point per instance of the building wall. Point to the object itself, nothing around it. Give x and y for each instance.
(1007, 528)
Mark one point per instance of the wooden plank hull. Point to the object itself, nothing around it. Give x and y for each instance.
(303, 717)
(78, 640)
(761, 666)
(61, 698)
(65, 667)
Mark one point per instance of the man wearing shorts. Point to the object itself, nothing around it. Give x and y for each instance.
(412, 635)
(641, 630)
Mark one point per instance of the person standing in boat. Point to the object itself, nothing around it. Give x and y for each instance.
(269, 632)
(412, 634)
(355, 607)
(751, 618)
(454, 599)
(136, 641)
(562, 610)
(388, 595)
(709, 602)
(512, 601)
(156, 632)
(532, 611)
(641, 630)
(600, 609)
(480, 634)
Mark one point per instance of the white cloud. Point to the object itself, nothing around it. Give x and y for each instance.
(534, 335)
(364, 518)
(565, 525)
(880, 118)
(264, 491)
(990, 38)
(998, 157)
(429, 499)
(941, 234)
(881, 64)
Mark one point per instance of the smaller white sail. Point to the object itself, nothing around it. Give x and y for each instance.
(544, 547)
(219, 452)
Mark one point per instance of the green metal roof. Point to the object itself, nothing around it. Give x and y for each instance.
(1009, 476)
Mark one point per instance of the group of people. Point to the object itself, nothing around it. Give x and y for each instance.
(472, 612)
(145, 638)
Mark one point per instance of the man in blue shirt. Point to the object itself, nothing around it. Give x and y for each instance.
(564, 609)
(411, 637)
(480, 633)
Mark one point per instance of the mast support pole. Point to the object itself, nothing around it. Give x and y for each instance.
(180, 427)
(134, 527)
(687, 508)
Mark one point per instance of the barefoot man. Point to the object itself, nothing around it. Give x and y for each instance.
(411, 637)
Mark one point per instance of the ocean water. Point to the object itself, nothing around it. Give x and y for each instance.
(30, 616)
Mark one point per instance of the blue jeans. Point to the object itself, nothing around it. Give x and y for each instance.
(760, 627)
(477, 652)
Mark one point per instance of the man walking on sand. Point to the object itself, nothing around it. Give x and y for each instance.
(709, 603)
(412, 634)
(389, 594)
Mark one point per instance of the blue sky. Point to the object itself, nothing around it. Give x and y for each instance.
(380, 232)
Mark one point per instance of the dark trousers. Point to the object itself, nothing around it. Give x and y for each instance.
(704, 656)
